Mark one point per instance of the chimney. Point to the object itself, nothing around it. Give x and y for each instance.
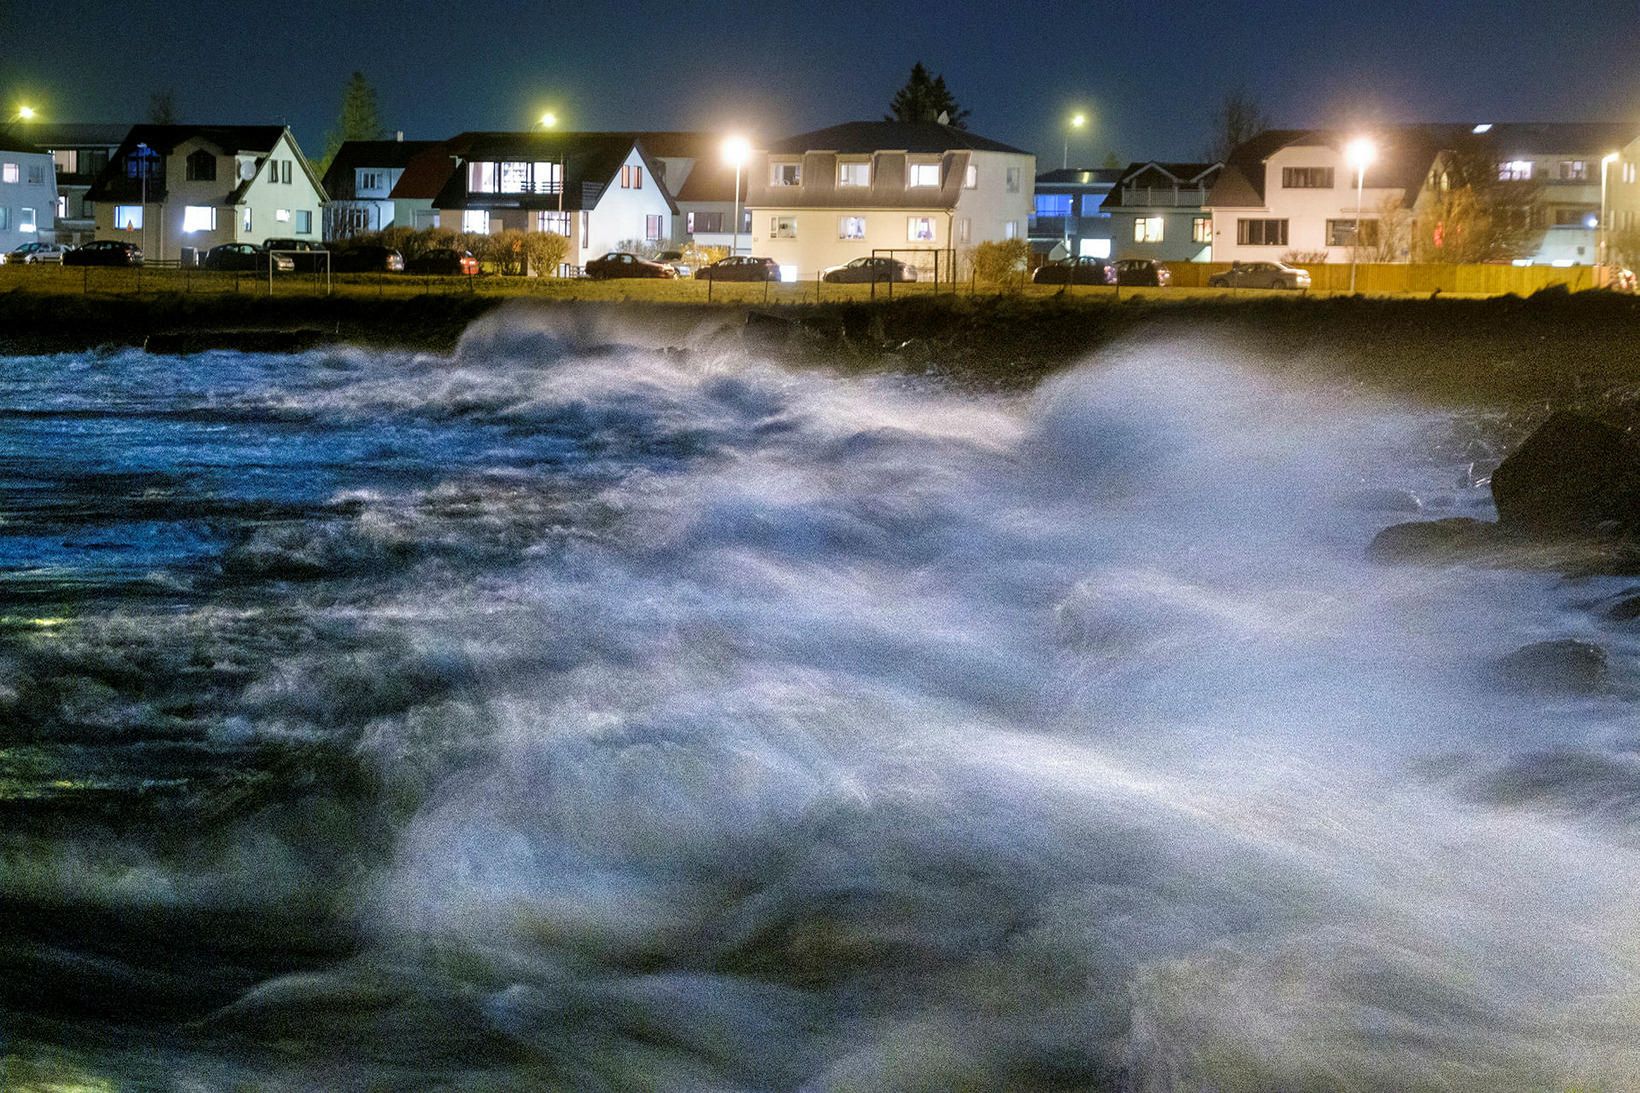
(399, 136)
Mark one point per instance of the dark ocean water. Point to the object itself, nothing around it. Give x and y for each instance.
(575, 712)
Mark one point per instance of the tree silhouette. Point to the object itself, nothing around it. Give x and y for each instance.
(1238, 119)
(359, 119)
(162, 107)
(924, 98)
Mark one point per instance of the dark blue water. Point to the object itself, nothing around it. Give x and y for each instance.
(582, 711)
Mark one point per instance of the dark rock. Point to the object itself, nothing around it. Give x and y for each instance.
(1624, 610)
(1435, 541)
(767, 330)
(1570, 477)
(1566, 666)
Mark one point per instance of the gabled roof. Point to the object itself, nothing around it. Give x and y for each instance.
(1080, 176)
(1188, 175)
(356, 154)
(12, 139)
(862, 137)
(258, 140)
(425, 174)
(591, 163)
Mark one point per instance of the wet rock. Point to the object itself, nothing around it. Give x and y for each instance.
(1626, 609)
(1433, 542)
(766, 330)
(1566, 666)
(1571, 477)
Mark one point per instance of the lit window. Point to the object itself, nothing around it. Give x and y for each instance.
(67, 160)
(970, 178)
(1341, 233)
(245, 224)
(1261, 233)
(1515, 170)
(1628, 173)
(854, 174)
(1574, 170)
(556, 223)
(25, 221)
(637, 178)
(586, 226)
(475, 221)
(62, 206)
(1201, 229)
(8, 172)
(483, 178)
(919, 229)
(1013, 182)
(127, 218)
(1010, 230)
(548, 178)
(1306, 178)
(199, 218)
(965, 229)
(652, 227)
(783, 227)
(851, 227)
(785, 174)
(1147, 229)
(923, 174)
(1053, 204)
(515, 177)
(706, 223)
(282, 215)
(304, 222)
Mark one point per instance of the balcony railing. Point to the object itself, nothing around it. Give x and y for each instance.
(1164, 196)
(522, 188)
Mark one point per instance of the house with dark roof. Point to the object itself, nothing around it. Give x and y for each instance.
(1158, 211)
(359, 184)
(926, 191)
(79, 151)
(28, 191)
(182, 189)
(1067, 216)
(1292, 191)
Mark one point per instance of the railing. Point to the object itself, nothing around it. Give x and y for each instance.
(1168, 196)
(521, 188)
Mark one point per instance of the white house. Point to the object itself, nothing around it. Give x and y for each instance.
(701, 183)
(171, 188)
(80, 151)
(359, 184)
(918, 189)
(28, 192)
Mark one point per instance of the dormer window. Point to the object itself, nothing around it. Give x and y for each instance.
(201, 167)
(785, 174)
(923, 174)
(854, 173)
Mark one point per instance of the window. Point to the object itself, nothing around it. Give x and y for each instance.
(143, 162)
(369, 181)
(88, 209)
(199, 218)
(67, 161)
(1261, 233)
(8, 172)
(284, 172)
(1013, 182)
(25, 221)
(483, 178)
(5, 219)
(1515, 170)
(36, 174)
(783, 227)
(1010, 230)
(1574, 170)
(1201, 229)
(1053, 204)
(652, 227)
(282, 215)
(851, 227)
(304, 222)
(970, 178)
(548, 178)
(586, 226)
(476, 221)
(746, 221)
(1147, 229)
(1341, 233)
(631, 177)
(515, 177)
(919, 229)
(706, 222)
(1577, 218)
(62, 206)
(246, 222)
(854, 174)
(201, 167)
(1628, 173)
(556, 223)
(922, 174)
(965, 230)
(1306, 178)
(127, 218)
(785, 174)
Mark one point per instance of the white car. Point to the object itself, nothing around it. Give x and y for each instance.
(30, 254)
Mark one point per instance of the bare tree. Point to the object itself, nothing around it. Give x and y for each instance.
(1475, 212)
(1239, 118)
(162, 107)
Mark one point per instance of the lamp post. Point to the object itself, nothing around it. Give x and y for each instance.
(142, 160)
(1358, 153)
(735, 151)
(1605, 236)
(1077, 122)
(545, 122)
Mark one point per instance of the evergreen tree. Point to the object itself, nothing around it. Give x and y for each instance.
(924, 98)
(359, 119)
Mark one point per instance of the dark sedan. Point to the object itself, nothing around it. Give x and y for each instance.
(1143, 271)
(370, 258)
(104, 252)
(1076, 271)
(740, 268)
(239, 257)
(622, 264)
(445, 262)
(308, 255)
(864, 271)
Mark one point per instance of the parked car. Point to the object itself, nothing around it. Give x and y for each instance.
(104, 252)
(36, 253)
(864, 271)
(240, 257)
(1143, 271)
(741, 267)
(444, 261)
(1076, 271)
(674, 258)
(1261, 275)
(622, 264)
(308, 255)
(370, 258)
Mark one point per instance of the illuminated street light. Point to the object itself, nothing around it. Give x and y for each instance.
(1605, 169)
(1358, 153)
(1077, 122)
(26, 113)
(548, 120)
(735, 151)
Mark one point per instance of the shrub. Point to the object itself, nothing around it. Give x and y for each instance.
(996, 262)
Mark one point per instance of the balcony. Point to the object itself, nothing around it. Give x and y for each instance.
(1164, 197)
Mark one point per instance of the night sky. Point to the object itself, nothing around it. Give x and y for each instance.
(1149, 74)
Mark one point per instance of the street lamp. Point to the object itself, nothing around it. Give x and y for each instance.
(735, 151)
(1358, 153)
(25, 113)
(1077, 122)
(1605, 236)
(547, 120)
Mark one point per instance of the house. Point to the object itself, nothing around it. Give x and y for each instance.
(28, 191)
(1068, 217)
(80, 151)
(186, 188)
(1158, 210)
(359, 184)
(602, 191)
(925, 191)
(1622, 179)
(701, 183)
(1291, 192)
